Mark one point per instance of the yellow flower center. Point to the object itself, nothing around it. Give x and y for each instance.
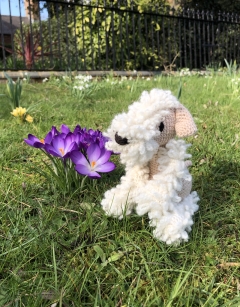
(42, 141)
(62, 151)
(93, 163)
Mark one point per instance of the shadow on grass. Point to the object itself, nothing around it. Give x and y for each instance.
(218, 188)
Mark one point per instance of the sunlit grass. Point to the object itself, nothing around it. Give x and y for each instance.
(64, 250)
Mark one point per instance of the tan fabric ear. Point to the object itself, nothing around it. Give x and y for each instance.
(185, 125)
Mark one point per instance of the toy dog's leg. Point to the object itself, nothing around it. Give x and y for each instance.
(118, 201)
(173, 226)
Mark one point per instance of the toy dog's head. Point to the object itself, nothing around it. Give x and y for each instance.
(149, 123)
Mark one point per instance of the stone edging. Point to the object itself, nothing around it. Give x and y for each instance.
(38, 75)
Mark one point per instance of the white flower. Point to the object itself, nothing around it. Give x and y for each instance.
(148, 79)
(45, 80)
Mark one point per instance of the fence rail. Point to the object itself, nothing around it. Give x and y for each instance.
(61, 35)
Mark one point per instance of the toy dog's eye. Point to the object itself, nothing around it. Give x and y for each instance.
(120, 140)
(161, 126)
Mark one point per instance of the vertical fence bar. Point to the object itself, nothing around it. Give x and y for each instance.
(41, 38)
(3, 44)
(199, 39)
(56, 8)
(113, 37)
(121, 62)
(127, 38)
(185, 42)
(75, 38)
(12, 40)
(180, 41)
(21, 31)
(106, 34)
(157, 35)
(204, 41)
(140, 41)
(98, 15)
(152, 41)
(234, 39)
(133, 33)
(190, 39)
(146, 32)
(169, 39)
(91, 38)
(238, 40)
(213, 43)
(49, 27)
(175, 47)
(83, 39)
(194, 39)
(163, 38)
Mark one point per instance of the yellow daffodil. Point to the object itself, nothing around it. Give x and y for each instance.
(19, 112)
(29, 118)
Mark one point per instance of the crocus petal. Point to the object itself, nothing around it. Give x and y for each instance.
(32, 140)
(70, 149)
(93, 152)
(78, 158)
(50, 135)
(58, 145)
(50, 149)
(105, 155)
(105, 168)
(65, 129)
(85, 170)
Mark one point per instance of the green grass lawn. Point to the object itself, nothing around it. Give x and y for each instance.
(62, 249)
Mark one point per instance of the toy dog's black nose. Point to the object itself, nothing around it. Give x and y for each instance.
(120, 140)
(161, 127)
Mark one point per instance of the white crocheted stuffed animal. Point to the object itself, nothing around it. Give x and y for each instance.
(157, 181)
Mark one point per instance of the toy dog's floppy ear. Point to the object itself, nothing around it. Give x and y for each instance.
(185, 125)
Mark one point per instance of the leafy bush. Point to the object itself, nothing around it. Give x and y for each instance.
(113, 36)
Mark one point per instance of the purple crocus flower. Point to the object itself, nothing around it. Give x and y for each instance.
(65, 129)
(33, 141)
(97, 161)
(61, 146)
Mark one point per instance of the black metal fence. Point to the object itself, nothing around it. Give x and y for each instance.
(111, 35)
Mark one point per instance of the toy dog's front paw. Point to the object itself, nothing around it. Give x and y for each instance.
(116, 204)
(173, 228)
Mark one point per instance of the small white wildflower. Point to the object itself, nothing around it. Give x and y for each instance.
(130, 78)
(45, 80)
(134, 71)
(148, 79)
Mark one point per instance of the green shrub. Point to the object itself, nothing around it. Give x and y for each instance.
(115, 36)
